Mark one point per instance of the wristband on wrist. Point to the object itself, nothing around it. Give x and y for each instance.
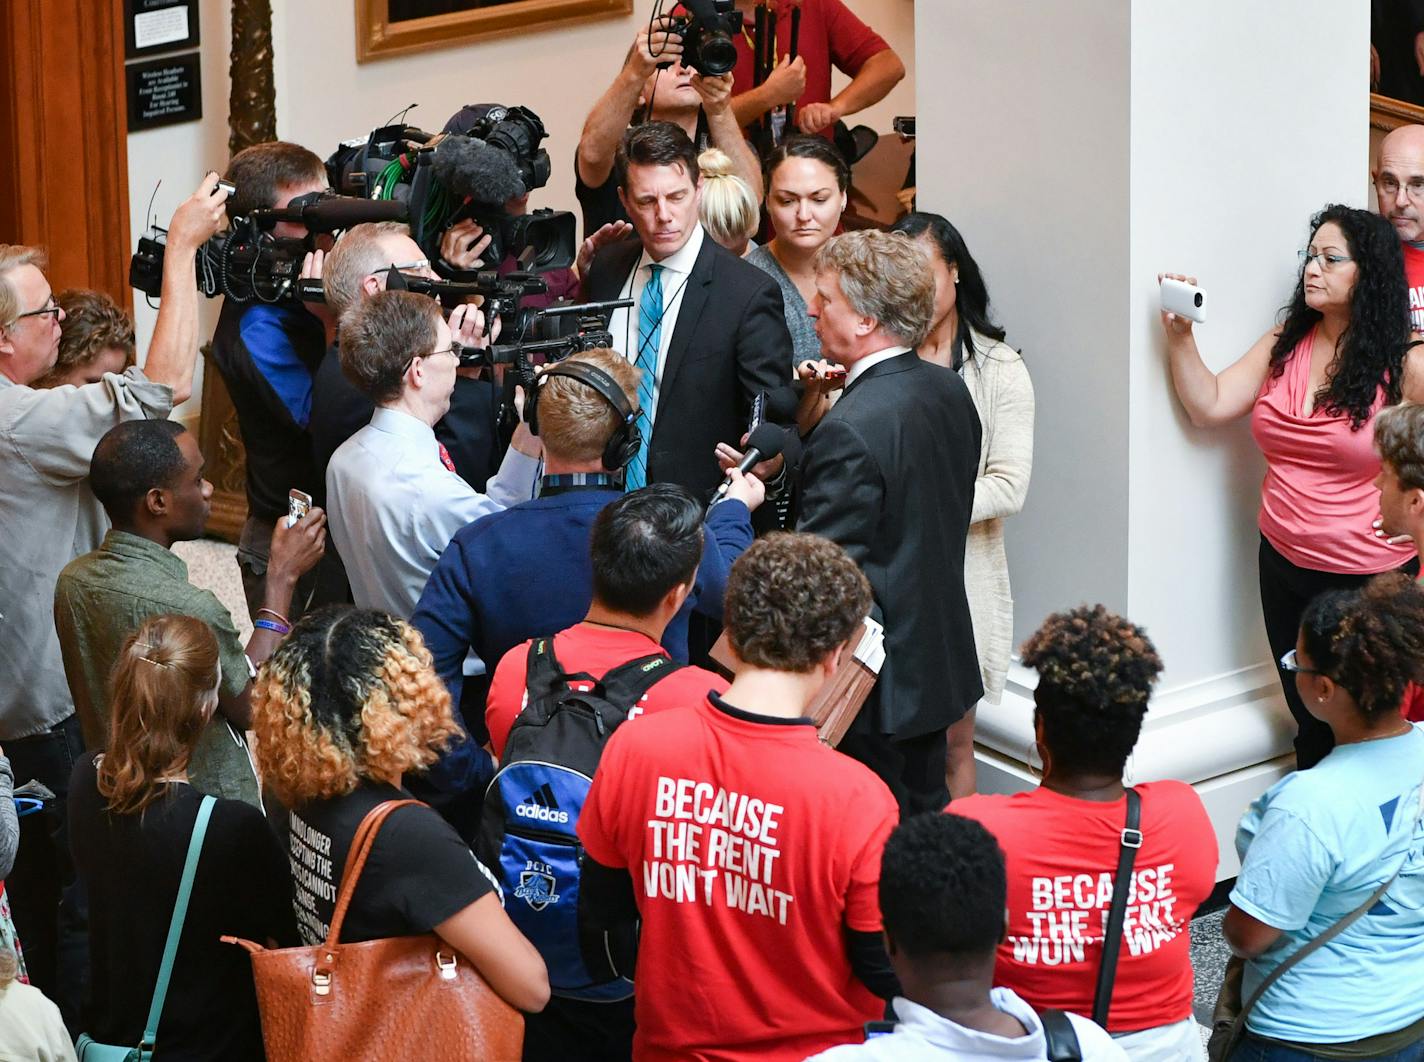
(270, 625)
(283, 620)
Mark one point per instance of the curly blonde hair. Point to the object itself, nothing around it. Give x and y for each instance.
(349, 695)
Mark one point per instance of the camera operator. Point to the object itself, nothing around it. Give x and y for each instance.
(472, 603)
(701, 106)
(830, 34)
(50, 517)
(267, 353)
(463, 244)
(356, 268)
(393, 497)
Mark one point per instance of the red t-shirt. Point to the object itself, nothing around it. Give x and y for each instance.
(752, 846)
(830, 34)
(1414, 277)
(596, 651)
(1061, 854)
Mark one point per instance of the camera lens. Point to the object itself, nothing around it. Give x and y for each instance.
(718, 54)
(1197, 299)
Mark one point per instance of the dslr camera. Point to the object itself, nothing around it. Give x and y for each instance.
(707, 33)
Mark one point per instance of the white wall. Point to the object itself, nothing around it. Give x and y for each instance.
(179, 156)
(1232, 151)
(324, 95)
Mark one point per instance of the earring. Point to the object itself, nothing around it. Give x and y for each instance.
(1035, 772)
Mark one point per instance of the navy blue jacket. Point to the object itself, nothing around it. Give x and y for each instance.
(525, 572)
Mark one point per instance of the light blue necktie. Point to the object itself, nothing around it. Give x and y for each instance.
(650, 334)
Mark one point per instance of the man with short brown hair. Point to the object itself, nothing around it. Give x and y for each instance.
(526, 571)
(97, 337)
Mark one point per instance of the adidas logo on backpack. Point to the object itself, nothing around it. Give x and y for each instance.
(542, 805)
(528, 834)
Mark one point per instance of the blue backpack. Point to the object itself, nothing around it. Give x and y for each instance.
(529, 829)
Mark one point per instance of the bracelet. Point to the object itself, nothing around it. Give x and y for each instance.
(276, 616)
(269, 625)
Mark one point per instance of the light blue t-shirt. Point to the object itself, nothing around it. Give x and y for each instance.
(1314, 847)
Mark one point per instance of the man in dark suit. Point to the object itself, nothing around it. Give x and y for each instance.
(707, 329)
(889, 475)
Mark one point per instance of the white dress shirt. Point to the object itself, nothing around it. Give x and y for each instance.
(857, 370)
(393, 506)
(623, 324)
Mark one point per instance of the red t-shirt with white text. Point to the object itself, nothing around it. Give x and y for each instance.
(1061, 855)
(595, 651)
(830, 34)
(1414, 277)
(752, 847)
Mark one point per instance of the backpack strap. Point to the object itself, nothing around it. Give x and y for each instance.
(543, 674)
(1130, 842)
(175, 927)
(627, 684)
(1059, 1037)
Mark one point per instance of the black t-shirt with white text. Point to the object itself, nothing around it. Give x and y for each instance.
(131, 866)
(419, 872)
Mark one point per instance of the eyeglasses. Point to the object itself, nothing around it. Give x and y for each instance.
(50, 307)
(1388, 188)
(454, 348)
(410, 267)
(1327, 262)
(1291, 664)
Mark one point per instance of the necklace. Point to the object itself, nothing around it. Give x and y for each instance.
(1379, 737)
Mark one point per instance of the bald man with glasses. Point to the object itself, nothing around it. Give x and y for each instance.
(50, 516)
(1399, 188)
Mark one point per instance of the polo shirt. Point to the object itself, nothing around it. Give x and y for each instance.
(103, 597)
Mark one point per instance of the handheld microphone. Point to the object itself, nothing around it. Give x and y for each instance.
(764, 443)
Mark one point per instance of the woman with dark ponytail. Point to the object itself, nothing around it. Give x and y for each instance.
(1319, 843)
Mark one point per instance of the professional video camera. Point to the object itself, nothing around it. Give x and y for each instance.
(707, 31)
(471, 174)
(247, 262)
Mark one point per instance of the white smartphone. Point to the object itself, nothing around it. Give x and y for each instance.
(1183, 299)
(298, 503)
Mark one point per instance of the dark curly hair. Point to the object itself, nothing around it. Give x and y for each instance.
(791, 599)
(1372, 347)
(943, 886)
(1095, 672)
(1369, 640)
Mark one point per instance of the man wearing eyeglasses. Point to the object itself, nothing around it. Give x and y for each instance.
(1399, 187)
(50, 516)
(393, 497)
(267, 353)
(357, 267)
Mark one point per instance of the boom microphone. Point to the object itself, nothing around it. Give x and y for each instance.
(471, 167)
(762, 445)
(328, 213)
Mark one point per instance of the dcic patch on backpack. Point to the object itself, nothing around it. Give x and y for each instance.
(529, 829)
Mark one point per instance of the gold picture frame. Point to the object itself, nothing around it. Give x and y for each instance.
(378, 37)
(1387, 113)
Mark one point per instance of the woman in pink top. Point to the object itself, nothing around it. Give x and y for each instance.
(1312, 386)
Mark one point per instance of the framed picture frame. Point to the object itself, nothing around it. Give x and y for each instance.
(1388, 113)
(397, 27)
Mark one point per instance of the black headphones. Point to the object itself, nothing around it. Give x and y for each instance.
(625, 442)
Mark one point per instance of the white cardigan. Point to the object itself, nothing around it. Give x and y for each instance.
(1003, 395)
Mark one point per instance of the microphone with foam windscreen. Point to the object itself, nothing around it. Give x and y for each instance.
(471, 167)
(765, 442)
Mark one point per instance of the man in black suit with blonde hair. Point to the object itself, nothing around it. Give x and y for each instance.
(889, 475)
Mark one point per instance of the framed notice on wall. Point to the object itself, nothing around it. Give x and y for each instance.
(164, 91)
(153, 26)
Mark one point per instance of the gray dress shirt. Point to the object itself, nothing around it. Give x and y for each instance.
(50, 516)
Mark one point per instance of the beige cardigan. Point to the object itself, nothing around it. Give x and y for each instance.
(1003, 395)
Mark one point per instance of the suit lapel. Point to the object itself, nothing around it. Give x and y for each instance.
(899, 363)
(621, 259)
(694, 299)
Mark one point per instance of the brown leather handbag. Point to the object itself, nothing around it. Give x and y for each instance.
(402, 997)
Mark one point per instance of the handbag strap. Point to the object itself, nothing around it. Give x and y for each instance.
(1333, 931)
(356, 862)
(1131, 841)
(175, 925)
